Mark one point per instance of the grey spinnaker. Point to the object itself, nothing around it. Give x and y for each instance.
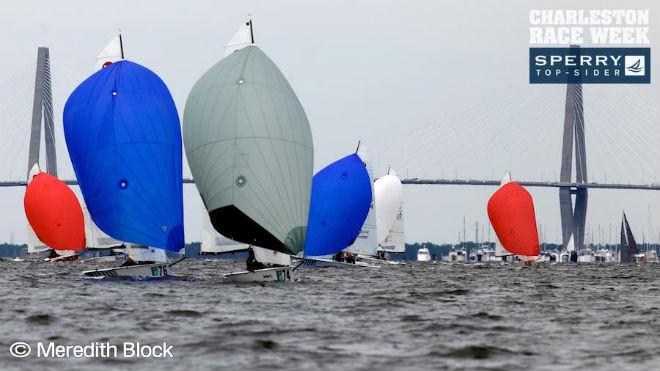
(249, 146)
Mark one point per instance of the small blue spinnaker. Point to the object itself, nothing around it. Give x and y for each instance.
(124, 138)
(341, 197)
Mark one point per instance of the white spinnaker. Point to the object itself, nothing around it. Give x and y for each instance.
(388, 192)
(366, 242)
(241, 39)
(215, 243)
(146, 253)
(499, 249)
(110, 54)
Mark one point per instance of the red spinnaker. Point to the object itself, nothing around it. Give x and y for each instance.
(54, 213)
(511, 212)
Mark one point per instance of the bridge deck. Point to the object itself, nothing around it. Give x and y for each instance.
(471, 182)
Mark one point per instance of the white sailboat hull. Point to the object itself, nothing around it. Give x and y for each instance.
(276, 274)
(135, 271)
(329, 263)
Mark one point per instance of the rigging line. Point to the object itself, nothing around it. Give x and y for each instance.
(635, 141)
(453, 120)
(19, 75)
(462, 160)
(646, 122)
(450, 122)
(512, 121)
(488, 110)
(492, 121)
(609, 144)
(642, 111)
(596, 103)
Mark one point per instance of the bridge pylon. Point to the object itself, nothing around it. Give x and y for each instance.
(573, 216)
(42, 112)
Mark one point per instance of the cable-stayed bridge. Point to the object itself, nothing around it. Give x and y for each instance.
(515, 127)
(457, 182)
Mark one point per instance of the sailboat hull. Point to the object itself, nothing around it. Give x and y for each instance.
(135, 271)
(329, 263)
(277, 274)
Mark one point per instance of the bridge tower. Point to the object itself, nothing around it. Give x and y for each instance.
(42, 112)
(573, 216)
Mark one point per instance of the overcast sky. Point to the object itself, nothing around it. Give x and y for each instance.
(434, 88)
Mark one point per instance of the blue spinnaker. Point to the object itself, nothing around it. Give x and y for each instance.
(124, 138)
(341, 197)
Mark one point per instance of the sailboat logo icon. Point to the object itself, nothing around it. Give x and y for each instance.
(635, 65)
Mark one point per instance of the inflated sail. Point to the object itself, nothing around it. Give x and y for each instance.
(123, 135)
(366, 242)
(341, 197)
(113, 52)
(388, 192)
(511, 212)
(250, 151)
(54, 213)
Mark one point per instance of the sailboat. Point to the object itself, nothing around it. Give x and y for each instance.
(124, 140)
(511, 213)
(628, 244)
(365, 246)
(250, 151)
(570, 254)
(54, 214)
(341, 199)
(389, 215)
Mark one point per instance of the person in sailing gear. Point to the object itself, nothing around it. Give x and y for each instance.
(53, 255)
(252, 262)
(349, 258)
(339, 257)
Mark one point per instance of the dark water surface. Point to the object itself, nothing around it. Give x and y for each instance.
(418, 316)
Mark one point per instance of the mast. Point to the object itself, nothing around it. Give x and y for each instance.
(251, 31)
(121, 45)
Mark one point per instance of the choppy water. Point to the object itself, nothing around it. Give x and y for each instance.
(418, 316)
